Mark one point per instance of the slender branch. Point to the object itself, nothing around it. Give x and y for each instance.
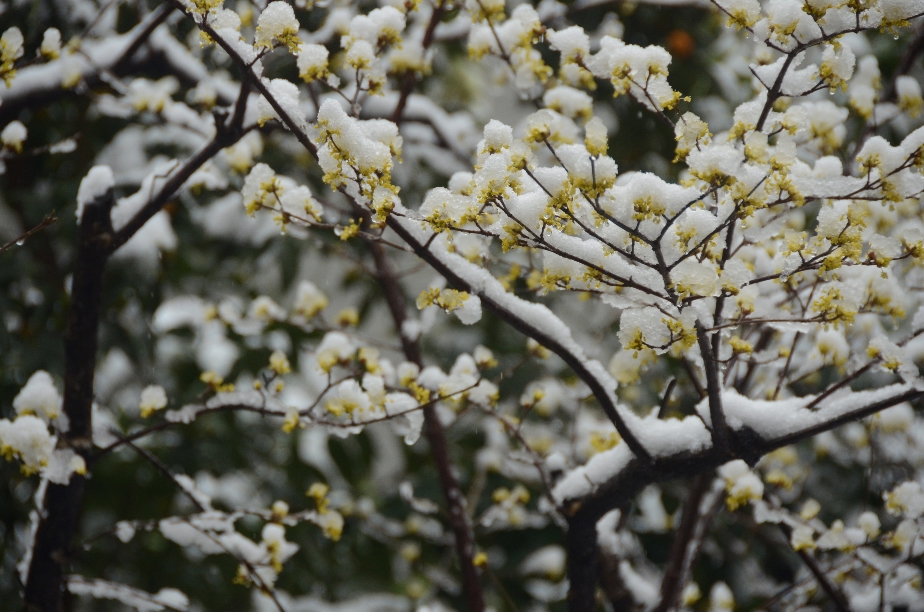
(766, 335)
(49, 219)
(672, 583)
(840, 602)
(774, 93)
(436, 435)
(709, 508)
(714, 391)
(227, 133)
(410, 77)
(665, 400)
(255, 80)
(144, 31)
(163, 469)
(689, 368)
(532, 329)
(720, 301)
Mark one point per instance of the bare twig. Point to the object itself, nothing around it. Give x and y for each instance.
(163, 469)
(49, 219)
(666, 398)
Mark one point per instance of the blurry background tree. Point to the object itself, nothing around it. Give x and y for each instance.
(304, 305)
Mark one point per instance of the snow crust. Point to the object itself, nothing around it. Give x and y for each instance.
(95, 184)
(142, 601)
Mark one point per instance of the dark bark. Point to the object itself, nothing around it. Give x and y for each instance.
(458, 518)
(622, 488)
(673, 582)
(96, 241)
(714, 391)
(583, 560)
(613, 587)
(51, 550)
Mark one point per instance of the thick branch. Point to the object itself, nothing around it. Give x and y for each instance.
(51, 548)
(747, 445)
(96, 242)
(583, 562)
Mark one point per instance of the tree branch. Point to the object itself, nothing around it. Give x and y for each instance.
(840, 602)
(49, 219)
(51, 547)
(628, 482)
(95, 244)
(228, 132)
(410, 77)
(436, 435)
(673, 582)
(25, 93)
(714, 391)
(163, 469)
(583, 561)
(531, 329)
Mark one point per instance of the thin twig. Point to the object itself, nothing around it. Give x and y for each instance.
(49, 219)
(840, 602)
(163, 469)
(410, 77)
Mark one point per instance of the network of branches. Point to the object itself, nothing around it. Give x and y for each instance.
(341, 279)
